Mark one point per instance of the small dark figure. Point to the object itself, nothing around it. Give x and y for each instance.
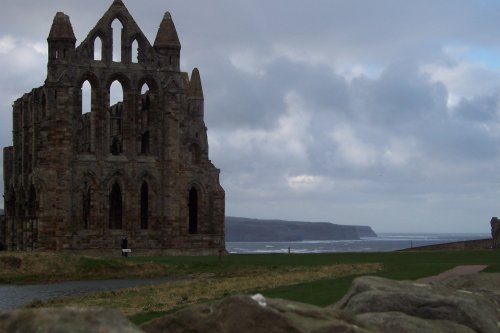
(1, 246)
(124, 246)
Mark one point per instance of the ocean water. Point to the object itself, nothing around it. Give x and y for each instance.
(384, 242)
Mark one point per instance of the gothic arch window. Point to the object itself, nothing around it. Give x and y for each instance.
(135, 51)
(87, 94)
(145, 143)
(116, 147)
(32, 203)
(115, 92)
(86, 97)
(193, 210)
(145, 119)
(115, 129)
(115, 207)
(144, 205)
(98, 48)
(117, 28)
(86, 206)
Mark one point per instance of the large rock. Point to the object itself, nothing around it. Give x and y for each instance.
(398, 322)
(486, 284)
(74, 320)
(432, 302)
(244, 314)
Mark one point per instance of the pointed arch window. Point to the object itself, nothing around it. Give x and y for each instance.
(86, 207)
(87, 96)
(135, 51)
(193, 211)
(115, 207)
(144, 205)
(116, 118)
(145, 120)
(117, 28)
(32, 203)
(98, 48)
(145, 143)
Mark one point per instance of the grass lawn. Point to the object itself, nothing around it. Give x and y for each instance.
(319, 279)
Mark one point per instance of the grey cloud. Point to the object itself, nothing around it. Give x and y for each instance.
(478, 109)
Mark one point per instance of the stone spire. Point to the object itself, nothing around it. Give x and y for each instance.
(167, 34)
(195, 89)
(61, 28)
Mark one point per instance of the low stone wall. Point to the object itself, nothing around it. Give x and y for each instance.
(476, 244)
(116, 252)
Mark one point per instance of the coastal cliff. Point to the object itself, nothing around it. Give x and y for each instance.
(239, 229)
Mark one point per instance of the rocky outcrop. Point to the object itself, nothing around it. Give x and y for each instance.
(398, 322)
(464, 304)
(244, 314)
(65, 320)
(375, 301)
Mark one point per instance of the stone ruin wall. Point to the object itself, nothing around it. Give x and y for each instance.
(78, 180)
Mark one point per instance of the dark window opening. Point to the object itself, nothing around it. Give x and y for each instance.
(86, 208)
(145, 143)
(144, 205)
(115, 207)
(32, 207)
(44, 106)
(193, 211)
(116, 147)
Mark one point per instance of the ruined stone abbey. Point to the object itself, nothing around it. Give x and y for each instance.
(83, 174)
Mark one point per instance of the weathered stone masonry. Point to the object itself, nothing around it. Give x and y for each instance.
(81, 179)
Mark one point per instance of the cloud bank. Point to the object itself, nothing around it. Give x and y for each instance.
(383, 113)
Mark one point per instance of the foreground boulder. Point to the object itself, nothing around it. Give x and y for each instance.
(398, 322)
(375, 300)
(75, 320)
(486, 284)
(244, 314)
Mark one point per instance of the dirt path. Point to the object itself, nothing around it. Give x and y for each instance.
(459, 270)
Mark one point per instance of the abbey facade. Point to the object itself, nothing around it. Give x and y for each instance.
(83, 174)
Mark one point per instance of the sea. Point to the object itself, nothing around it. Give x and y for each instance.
(383, 243)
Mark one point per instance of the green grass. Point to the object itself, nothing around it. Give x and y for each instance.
(396, 265)
(320, 293)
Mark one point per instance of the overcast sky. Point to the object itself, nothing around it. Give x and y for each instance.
(382, 113)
